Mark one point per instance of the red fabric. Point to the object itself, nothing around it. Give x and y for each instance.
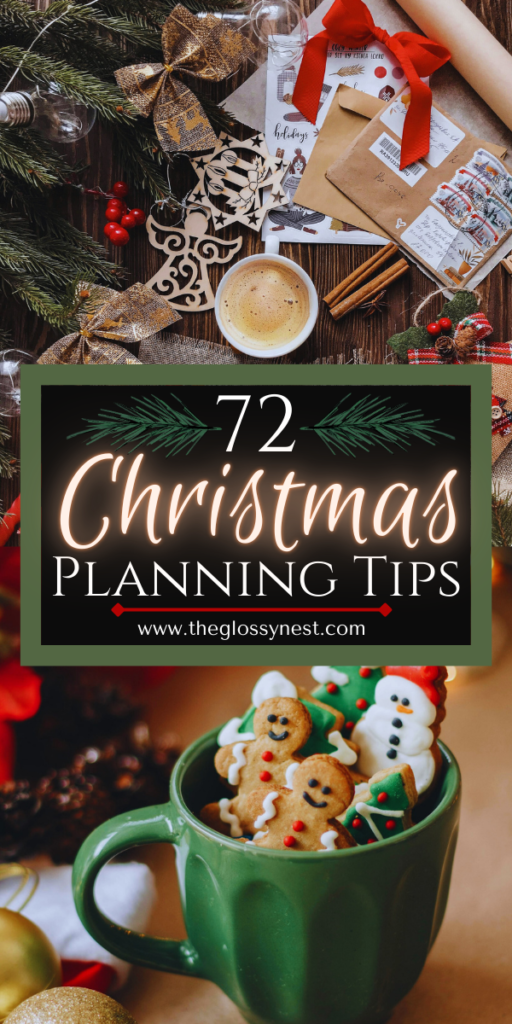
(10, 569)
(349, 23)
(11, 520)
(425, 676)
(87, 974)
(6, 752)
(19, 699)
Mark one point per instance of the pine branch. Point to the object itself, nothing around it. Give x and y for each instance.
(39, 300)
(150, 421)
(501, 518)
(371, 422)
(138, 151)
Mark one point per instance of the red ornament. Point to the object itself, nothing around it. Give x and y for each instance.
(382, 798)
(365, 673)
(119, 235)
(380, 72)
(331, 688)
(357, 823)
(265, 776)
(434, 329)
(368, 841)
(289, 840)
(128, 221)
(109, 226)
(445, 323)
(298, 826)
(361, 703)
(113, 212)
(140, 216)
(390, 824)
(267, 755)
(120, 189)
(349, 725)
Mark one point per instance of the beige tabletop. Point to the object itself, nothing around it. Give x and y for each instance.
(468, 975)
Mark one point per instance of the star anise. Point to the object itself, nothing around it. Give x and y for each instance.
(375, 305)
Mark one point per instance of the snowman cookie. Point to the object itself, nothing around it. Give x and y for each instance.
(347, 688)
(404, 723)
(282, 726)
(383, 810)
(305, 818)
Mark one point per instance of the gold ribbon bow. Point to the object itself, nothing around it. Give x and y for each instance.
(128, 317)
(204, 47)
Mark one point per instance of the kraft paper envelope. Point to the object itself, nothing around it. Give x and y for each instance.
(349, 113)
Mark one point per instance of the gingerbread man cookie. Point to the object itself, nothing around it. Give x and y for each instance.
(282, 725)
(383, 810)
(304, 818)
(404, 723)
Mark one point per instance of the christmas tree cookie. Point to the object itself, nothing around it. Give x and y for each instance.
(384, 810)
(347, 688)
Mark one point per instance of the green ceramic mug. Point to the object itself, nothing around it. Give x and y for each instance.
(331, 937)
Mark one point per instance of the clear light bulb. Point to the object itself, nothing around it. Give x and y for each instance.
(280, 25)
(10, 362)
(57, 117)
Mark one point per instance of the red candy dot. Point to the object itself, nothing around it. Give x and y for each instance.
(390, 825)
(267, 755)
(331, 688)
(365, 673)
(380, 72)
(357, 823)
(298, 826)
(433, 329)
(382, 798)
(289, 840)
(120, 189)
(265, 776)
(349, 725)
(368, 841)
(361, 703)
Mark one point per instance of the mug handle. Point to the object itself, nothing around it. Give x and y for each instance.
(135, 828)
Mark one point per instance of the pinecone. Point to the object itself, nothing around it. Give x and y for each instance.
(464, 341)
(19, 807)
(445, 348)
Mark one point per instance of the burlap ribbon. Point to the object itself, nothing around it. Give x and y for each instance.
(109, 317)
(204, 47)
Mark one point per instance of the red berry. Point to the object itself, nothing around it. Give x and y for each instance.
(433, 329)
(390, 825)
(357, 823)
(140, 216)
(128, 221)
(445, 323)
(289, 840)
(331, 688)
(113, 212)
(298, 826)
(109, 227)
(267, 755)
(382, 798)
(265, 776)
(368, 841)
(112, 201)
(349, 725)
(365, 673)
(120, 189)
(119, 235)
(361, 703)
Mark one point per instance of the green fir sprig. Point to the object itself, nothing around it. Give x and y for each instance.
(501, 518)
(370, 422)
(151, 422)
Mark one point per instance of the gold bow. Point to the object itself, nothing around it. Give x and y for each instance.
(204, 47)
(128, 317)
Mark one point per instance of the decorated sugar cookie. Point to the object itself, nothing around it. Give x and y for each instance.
(404, 723)
(384, 809)
(305, 818)
(347, 688)
(327, 722)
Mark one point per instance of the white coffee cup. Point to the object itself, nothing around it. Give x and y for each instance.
(271, 254)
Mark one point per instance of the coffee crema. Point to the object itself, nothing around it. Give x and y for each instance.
(264, 304)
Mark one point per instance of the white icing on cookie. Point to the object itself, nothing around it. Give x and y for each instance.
(259, 835)
(290, 772)
(360, 787)
(239, 762)
(343, 752)
(229, 733)
(328, 840)
(365, 811)
(226, 816)
(328, 674)
(272, 684)
(269, 810)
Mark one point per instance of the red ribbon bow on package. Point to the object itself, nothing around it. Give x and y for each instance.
(350, 24)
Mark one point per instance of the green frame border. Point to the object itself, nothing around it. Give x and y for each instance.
(476, 653)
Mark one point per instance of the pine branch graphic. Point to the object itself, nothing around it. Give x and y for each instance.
(150, 421)
(349, 71)
(371, 422)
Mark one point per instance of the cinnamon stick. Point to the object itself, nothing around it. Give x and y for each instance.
(369, 290)
(360, 274)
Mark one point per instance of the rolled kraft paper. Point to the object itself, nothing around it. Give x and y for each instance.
(476, 54)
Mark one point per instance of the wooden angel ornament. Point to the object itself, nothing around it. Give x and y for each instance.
(183, 279)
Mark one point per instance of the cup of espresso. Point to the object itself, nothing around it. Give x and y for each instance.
(266, 306)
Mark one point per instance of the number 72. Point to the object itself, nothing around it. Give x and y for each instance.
(268, 446)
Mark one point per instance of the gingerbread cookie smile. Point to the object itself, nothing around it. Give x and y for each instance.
(313, 803)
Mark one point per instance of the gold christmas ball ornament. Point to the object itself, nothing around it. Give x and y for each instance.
(70, 1006)
(28, 961)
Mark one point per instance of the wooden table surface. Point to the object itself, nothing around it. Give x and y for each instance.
(326, 264)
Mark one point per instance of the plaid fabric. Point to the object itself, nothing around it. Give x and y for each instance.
(496, 353)
(503, 425)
